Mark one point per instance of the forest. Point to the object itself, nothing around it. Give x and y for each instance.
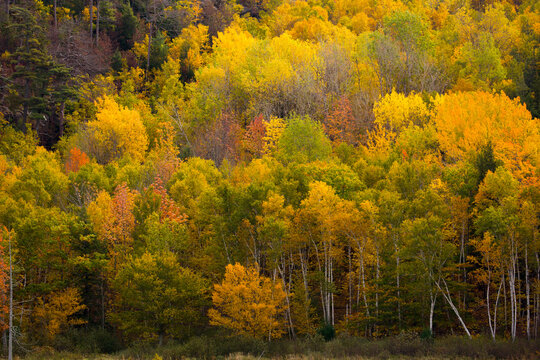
(268, 172)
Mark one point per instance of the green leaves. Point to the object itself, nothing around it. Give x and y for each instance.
(303, 141)
(158, 298)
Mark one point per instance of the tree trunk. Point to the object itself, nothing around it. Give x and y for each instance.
(149, 48)
(97, 22)
(527, 291)
(433, 298)
(7, 10)
(10, 340)
(61, 119)
(91, 9)
(55, 16)
(288, 317)
(397, 281)
(448, 298)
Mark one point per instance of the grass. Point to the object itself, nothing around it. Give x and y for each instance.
(406, 346)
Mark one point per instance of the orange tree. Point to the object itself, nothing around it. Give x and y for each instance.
(248, 303)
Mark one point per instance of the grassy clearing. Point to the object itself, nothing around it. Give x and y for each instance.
(237, 348)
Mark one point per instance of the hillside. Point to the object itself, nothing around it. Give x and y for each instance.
(179, 170)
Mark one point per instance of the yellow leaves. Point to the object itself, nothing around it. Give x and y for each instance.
(297, 53)
(397, 111)
(140, 48)
(274, 128)
(117, 132)
(99, 212)
(361, 23)
(312, 29)
(232, 45)
(248, 303)
(86, 13)
(54, 313)
(190, 47)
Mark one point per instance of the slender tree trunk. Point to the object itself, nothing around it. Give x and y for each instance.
(512, 285)
(513, 302)
(55, 16)
(97, 21)
(527, 291)
(448, 298)
(102, 303)
(488, 302)
(91, 9)
(288, 317)
(303, 268)
(332, 308)
(496, 308)
(396, 249)
(433, 298)
(505, 303)
(537, 297)
(61, 119)
(149, 48)
(10, 340)
(322, 285)
(377, 276)
(350, 286)
(362, 277)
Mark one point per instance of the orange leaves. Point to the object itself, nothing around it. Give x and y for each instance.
(113, 220)
(340, 124)
(167, 207)
(253, 142)
(468, 121)
(76, 160)
(248, 303)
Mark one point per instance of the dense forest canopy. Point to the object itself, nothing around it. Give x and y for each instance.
(276, 168)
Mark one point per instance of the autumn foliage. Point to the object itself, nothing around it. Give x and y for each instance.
(76, 159)
(247, 303)
(176, 172)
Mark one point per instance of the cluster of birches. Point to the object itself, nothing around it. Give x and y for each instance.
(172, 167)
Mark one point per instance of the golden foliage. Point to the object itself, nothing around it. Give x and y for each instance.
(397, 111)
(54, 313)
(468, 121)
(117, 132)
(248, 303)
(274, 128)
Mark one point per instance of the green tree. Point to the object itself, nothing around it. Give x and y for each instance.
(159, 299)
(303, 141)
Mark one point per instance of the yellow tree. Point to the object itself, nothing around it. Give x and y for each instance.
(116, 132)
(248, 303)
(53, 314)
(274, 128)
(397, 111)
(469, 121)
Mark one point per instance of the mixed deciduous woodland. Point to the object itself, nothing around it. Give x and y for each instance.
(270, 169)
